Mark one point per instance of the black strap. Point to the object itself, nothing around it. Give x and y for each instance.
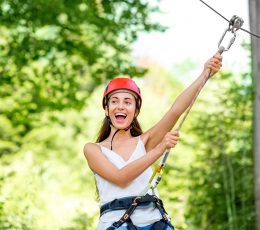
(135, 201)
(163, 212)
(116, 204)
(130, 225)
(161, 225)
(128, 213)
(124, 203)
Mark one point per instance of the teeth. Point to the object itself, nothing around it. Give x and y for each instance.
(120, 114)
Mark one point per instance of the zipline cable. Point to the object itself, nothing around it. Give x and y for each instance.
(247, 31)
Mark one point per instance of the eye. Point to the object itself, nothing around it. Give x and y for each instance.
(128, 102)
(113, 101)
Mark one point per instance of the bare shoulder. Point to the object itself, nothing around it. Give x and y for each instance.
(90, 148)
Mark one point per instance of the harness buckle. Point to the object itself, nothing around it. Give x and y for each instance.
(126, 216)
(135, 200)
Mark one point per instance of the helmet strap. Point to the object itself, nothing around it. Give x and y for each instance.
(111, 148)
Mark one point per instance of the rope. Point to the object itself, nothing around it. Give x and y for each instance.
(221, 49)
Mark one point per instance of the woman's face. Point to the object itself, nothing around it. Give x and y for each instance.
(121, 109)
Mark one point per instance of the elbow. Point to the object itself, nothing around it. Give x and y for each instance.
(121, 180)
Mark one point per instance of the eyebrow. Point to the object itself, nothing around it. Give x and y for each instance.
(125, 98)
(128, 98)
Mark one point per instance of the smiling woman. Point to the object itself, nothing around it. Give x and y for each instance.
(122, 108)
(123, 154)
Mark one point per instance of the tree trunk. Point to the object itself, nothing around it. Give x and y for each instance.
(254, 14)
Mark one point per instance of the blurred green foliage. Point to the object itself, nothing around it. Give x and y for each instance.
(54, 59)
(53, 55)
(221, 177)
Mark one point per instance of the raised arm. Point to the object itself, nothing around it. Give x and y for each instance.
(154, 135)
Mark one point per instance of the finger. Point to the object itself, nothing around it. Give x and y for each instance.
(215, 65)
(175, 133)
(174, 137)
(215, 61)
(172, 144)
(217, 54)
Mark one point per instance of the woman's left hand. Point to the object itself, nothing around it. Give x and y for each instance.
(213, 64)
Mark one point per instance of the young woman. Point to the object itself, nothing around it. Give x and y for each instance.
(123, 154)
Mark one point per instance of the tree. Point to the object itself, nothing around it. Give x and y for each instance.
(53, 54)
(221, 177)
(254, 13)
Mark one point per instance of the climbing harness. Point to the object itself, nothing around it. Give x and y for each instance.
(144, 199)
(130, 204)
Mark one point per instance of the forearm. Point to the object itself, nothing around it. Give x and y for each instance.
(183, 101)
(135, 168)
(168, 121)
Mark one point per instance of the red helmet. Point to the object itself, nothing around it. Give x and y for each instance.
(122, 84)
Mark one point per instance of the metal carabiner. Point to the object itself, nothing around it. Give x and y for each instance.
(235, 24)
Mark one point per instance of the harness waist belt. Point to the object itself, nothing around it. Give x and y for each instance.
(125, 203)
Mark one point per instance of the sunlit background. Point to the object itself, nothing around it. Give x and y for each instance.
(193, 34)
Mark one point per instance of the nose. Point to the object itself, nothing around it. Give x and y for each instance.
(121, 105)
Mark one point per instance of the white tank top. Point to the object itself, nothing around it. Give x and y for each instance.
(109, 191)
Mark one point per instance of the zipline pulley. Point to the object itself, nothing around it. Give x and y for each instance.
(235, 24)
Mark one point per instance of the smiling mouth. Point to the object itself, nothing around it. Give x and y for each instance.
(120, 116)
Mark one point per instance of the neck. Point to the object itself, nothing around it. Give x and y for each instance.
(120, 135)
